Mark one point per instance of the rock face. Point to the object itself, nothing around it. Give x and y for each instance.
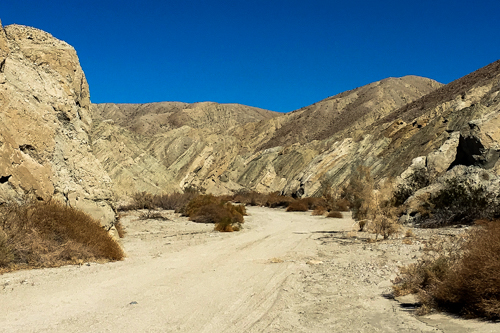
(226, 148)
(395, 126)
(45, 124)
(54, 143)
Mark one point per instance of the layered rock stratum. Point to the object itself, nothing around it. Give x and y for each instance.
(45, 124)
(225, 148)
(55, 143)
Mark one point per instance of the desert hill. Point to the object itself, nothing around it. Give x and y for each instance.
(351, 110)
(89, 155)
(218, 147)
(154, 118)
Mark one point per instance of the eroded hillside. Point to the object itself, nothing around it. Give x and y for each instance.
(224, 148)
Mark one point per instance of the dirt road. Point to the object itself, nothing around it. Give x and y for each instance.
(284, 272)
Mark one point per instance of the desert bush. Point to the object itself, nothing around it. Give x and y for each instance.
(463, 278)
(332, 201)
(460, 202)
(143, 200)
(250, 198)
(273, 200)
(373, 208)
(151, 215)
(341, 205)
(298, 206)
(335, 214)
(359, 193)
(173, 201)
(320, 210)
(472, 286)
(45, 234)
(384, 225)
(120, 229)
(211, 209)
(192, 207)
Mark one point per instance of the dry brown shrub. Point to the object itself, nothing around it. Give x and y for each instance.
(409, 233)
(335, 214)
(120, 229)
(250, 198)
(191, 208)
(211, 209)
(359, 193)
(313, 202)
(472, 287)
(342, 205)
(227, 225)
(174, 201)
(46, 234)
(298, 206)
(275, 199)
(151, 215)
(320, 210)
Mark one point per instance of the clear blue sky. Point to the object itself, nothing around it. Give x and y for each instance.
(275, 54)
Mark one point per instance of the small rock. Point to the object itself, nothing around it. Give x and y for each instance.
(314, 262)
(133, 303)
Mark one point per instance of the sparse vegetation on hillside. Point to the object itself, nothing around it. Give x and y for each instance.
(47, 234)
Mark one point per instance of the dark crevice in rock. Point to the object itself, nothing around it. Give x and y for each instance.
(470, 151)
(27, 149)
(2, 66)
(63, 118)
(31, 151)
(4, 179)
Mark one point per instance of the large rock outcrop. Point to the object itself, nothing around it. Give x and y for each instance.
(45, 123)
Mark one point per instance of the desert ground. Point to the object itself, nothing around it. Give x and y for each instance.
(283, 272)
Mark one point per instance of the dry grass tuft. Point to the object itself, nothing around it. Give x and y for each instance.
(409, 233)
(320, 210)
(335, 214)
(298, 206)
(120, 229)
(48, 234)
(151, 215)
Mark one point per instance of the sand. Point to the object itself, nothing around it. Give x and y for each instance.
(284, 272)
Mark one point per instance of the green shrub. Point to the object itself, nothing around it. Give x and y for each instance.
(460, 202)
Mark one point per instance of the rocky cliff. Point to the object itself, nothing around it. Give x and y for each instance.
(45, 123)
